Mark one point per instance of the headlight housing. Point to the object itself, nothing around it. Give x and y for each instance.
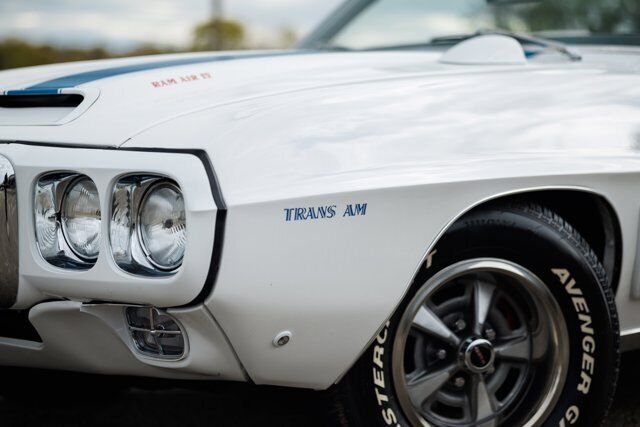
(68, 220)
(148, 230)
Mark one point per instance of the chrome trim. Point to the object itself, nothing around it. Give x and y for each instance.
(154, 331)
(134, 190)
(8, 235)
(65, 256)
(468, 352)
(153, 187)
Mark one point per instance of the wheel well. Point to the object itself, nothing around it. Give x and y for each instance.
(589, 213)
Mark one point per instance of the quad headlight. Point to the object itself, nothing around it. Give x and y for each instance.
(67, 220)
(148, 230)
(147, 227)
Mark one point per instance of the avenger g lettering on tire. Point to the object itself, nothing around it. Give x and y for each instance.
(510, 322)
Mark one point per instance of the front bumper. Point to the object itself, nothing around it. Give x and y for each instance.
(94, 339)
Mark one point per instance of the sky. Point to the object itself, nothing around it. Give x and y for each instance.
(124, 24)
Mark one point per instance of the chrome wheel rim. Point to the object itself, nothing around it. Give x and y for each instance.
(483, 342)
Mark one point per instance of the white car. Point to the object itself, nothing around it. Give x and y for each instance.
(437, 228)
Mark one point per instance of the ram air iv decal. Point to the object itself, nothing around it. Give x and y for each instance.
(325, 212)
(176, 80)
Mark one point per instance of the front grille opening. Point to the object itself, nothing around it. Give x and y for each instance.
(41, 101)
(155, 333)
(15, 324)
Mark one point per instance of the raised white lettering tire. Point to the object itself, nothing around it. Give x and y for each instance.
(509, 323)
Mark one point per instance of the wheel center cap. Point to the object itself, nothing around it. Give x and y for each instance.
(479, 355)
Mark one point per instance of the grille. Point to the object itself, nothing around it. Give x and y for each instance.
(155, 333)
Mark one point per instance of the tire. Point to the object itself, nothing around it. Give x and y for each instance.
(539, 275)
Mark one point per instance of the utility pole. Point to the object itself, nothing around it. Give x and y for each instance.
(217, 16)
(218, 9)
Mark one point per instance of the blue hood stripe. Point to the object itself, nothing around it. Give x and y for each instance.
(33, 92)
(51, 87)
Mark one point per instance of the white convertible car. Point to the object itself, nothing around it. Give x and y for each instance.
(429, 215)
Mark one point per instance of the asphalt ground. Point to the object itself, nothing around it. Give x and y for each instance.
(93, 403)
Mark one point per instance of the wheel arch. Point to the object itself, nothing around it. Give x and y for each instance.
(592, 214)
(589, 212)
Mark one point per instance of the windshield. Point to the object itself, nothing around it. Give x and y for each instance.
(371, 24)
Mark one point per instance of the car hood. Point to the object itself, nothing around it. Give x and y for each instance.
(124, 97)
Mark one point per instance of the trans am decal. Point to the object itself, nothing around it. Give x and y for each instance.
(325, 212)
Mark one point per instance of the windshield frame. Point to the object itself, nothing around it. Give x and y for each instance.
(331, 26)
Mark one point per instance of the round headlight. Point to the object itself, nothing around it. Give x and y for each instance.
(81, 218)
(163, 225)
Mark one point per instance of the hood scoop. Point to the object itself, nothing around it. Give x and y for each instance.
(44, 107)
(491, 49)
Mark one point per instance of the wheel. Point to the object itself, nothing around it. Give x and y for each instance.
(510, 322)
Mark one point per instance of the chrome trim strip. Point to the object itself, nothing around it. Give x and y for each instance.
(8, 235)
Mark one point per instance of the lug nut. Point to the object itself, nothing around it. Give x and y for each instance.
(460, 324)
(441, 354)
(490, 334)
(459, 382)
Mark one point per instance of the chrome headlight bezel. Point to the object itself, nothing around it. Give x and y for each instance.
(60, 253)
(140, 232)
(126, 242)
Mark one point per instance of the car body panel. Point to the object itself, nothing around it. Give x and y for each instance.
(416, 141)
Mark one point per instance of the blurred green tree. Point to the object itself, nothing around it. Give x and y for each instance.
(219, 34)
(596, 16)
(17, 53)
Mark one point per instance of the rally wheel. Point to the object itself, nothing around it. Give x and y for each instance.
(510, 322)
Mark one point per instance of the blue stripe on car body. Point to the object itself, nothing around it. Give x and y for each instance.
(33, 92)
(53, 87)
